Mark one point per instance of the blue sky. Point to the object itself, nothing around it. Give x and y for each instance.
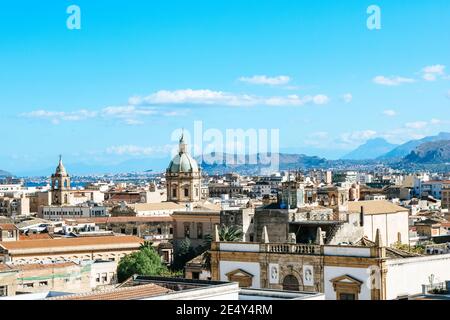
(137, 70)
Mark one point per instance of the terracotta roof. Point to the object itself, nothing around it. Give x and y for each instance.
(375, 207)
(6, 268)
(126, 293)
(67, 242)
(8, 226)
(35, 236)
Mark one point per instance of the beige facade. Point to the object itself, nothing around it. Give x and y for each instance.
(110, 248)
(194, 225)
(8, 281)
(62, 277)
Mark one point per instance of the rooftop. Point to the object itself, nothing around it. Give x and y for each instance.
(375, 207)
(68, 242)
(120, 219)
(7, 226)
(125, 293)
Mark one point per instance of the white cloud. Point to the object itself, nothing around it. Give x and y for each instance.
(416, 125)
(265, 80)
(128, 111)
(220, 98)
(431, 73)
(58, 116)
(133, 122)
(348, 97)
(390, 113)
(133, 150)
(130, 115)
(356, 138)
(391, 81)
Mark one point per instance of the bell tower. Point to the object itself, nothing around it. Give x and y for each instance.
(60, 185)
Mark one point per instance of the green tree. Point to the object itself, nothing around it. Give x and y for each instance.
(230, 234)
(184, 253)
(145, 262)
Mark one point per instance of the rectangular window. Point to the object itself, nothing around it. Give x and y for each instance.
(43, 283)
(186, 192)
(104, 277)
(3, 291)
(196, 275)
(187, 231)
(174, 192)
(199, 230)
(347, 296)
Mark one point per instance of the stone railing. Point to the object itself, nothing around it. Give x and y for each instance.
(293, 248)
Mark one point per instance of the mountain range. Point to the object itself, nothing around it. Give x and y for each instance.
(408, 147)
(372, 149)
(4, 174)
(429, 152)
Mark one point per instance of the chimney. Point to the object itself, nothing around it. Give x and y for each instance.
(265, 235)
(361, 217)
(319, 237)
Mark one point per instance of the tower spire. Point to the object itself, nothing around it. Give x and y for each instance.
(182, 144)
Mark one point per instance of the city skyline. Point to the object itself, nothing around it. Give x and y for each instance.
(117, 89)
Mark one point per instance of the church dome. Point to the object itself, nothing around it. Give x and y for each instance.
(183, 162)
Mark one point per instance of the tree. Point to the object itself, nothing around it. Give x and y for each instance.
(145, 262)
(184, 253)
(230, 234)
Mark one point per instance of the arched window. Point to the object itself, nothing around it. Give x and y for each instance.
(290, 283)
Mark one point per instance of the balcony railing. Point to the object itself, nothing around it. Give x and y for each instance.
(294, 248)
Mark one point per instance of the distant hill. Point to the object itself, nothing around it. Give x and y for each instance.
(286, 162)
(406, 148)
(4, 174)
(372, 149)
(436, 152)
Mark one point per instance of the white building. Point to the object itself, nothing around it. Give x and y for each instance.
(391, 219)
(87, 210)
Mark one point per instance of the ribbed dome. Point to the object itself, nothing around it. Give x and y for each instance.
(183, 162)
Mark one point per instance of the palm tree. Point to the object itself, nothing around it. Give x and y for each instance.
(230, 234)
(146, 244)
